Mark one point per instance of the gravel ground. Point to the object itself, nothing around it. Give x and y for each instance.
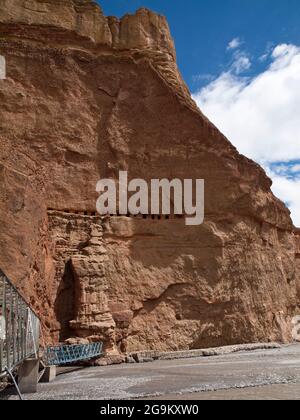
(267, 392)
(261, 374)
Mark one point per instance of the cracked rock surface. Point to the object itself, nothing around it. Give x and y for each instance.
(85, 97)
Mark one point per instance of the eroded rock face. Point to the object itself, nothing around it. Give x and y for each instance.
(85, 97)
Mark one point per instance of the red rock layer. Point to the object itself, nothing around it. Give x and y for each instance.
(85, 97)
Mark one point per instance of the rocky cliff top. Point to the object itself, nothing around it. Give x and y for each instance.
(66, 27)
(143, 30)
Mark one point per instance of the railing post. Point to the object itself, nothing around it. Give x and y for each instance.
(17, 318)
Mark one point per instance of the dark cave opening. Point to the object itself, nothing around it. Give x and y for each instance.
(65, 302)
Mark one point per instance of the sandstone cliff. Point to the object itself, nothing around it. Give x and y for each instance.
(85, 97)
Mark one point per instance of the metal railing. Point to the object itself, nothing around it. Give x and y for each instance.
(19, 327)
(62, 355)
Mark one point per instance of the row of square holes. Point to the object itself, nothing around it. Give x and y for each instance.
(144, 216)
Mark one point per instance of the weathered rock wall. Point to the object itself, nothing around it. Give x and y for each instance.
(85, 97)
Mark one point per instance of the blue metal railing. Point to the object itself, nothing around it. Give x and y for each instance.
(19, 327)
(62, 355)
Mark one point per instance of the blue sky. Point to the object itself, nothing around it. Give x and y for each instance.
(241, 60)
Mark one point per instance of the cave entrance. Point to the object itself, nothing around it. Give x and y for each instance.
(65, 302)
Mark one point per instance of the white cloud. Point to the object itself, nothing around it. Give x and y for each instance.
(261, 115)
(241, 63)
(266, 55)
(295, 168)
(289, 191)
(234, 44)
(203, 77)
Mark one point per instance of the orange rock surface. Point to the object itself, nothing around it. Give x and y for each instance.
(85, 97)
